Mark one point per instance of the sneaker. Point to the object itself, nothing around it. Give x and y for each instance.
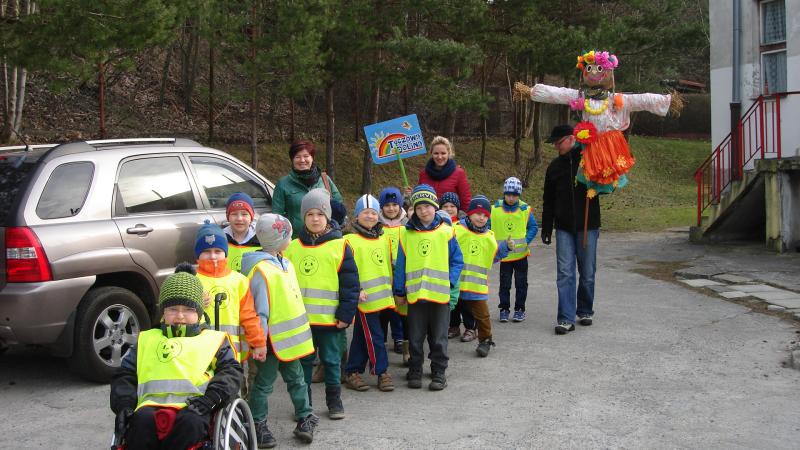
(304, 431)
(469, 335)
(453, 332)
(398, 346)
(385, 383)
(414, 378)
(564, 328)
(504, 315)
(585, 320)
(519, 316)
(438, 382)
(355, 382)
(484, 347)
(264, 436)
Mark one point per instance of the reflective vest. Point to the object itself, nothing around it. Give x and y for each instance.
(234, 285)
(235, 254)
(514, 224)
(427, 264)
(170, 371)
(479, 250)
(317, 268)
(372, 258)
(393, 234)
(287, 327)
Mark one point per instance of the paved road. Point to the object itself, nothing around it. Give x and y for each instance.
(664, 366)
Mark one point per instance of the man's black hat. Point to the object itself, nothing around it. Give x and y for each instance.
(559, 131)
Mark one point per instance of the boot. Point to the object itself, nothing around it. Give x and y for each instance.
(304, 431)
(333, 397)
(264, 436)
(484, 347)
(406, 354)
(438, 382)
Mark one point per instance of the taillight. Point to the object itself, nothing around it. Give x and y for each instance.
(25, 258)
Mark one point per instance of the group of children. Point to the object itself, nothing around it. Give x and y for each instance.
(286, 302)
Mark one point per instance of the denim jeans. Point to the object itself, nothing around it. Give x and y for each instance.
(519, 271)
(367, 345)
(569, 251)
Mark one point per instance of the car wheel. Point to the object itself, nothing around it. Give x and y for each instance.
(107, 324)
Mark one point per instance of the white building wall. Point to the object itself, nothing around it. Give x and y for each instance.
(721, 27)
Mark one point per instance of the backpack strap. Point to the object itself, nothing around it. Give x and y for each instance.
(326, 180)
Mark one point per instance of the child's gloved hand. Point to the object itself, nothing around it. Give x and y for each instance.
(204, 405)
(546, 239)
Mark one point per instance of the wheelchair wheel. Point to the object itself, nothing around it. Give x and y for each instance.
(234, 427)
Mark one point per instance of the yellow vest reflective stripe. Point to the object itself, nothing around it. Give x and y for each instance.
(479, 250)
(317, 268)
(172, 370)
(234, 285)
(393, 234)
(288, 329)
(514, 224)
(427, 264)
(372, 258)
(235, 254)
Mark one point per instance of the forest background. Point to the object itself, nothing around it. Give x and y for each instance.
(250, 75)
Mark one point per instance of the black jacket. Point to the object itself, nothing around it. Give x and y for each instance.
(564, 197)
(349, 285)
(225, 383)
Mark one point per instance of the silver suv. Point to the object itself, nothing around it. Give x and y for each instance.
(91, 229)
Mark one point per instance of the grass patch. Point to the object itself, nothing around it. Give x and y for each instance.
(661, 194)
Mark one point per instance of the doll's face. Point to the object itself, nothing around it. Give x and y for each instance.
(595, 76)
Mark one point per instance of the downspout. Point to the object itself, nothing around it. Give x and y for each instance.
(736, 93)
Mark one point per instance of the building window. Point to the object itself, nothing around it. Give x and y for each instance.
(773, 46)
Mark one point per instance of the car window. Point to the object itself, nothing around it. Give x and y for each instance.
(65, 191)
(14, 170)
(153, 184)
(219, 179)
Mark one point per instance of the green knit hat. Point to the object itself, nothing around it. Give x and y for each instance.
(182, 288)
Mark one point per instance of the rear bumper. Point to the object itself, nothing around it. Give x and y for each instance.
(36, 313)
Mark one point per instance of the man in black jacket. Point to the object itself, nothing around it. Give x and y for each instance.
(564, 203)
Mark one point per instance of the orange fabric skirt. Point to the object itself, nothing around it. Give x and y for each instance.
(607, 158)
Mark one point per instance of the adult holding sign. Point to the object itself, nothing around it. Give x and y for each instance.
(442, 173)
(304, 176)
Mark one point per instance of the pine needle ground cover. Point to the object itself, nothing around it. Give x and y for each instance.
(661, 194)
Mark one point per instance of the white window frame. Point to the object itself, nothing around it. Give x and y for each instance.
(769, 48)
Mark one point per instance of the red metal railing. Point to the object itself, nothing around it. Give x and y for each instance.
(758, 134)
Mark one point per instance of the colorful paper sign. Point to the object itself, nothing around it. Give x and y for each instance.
(401, 136)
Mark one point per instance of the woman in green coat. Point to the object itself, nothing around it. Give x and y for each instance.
(304, 176)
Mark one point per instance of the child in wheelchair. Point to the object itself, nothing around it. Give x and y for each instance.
(170, 384)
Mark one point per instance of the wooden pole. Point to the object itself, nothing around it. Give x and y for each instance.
(585, 219)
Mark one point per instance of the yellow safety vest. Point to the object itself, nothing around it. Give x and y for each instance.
(372, 258)
(235, 254)
(234, 285)
(393, 234)
(170, 371)
(288, 329)
(514, 224)
(427, 264)
(317, 268)
(479, 250)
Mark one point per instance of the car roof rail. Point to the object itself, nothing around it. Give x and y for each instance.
(12, 148)
(98, 144)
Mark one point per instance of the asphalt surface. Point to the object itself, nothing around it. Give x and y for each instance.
(664, 366)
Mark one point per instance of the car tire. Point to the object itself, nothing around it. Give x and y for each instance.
(107, 324)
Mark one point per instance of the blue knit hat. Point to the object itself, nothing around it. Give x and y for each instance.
(366, 202)
(513, 186)
(210, 235)
(450, 197)
(391, 195)
(479, 203)
(424, 193)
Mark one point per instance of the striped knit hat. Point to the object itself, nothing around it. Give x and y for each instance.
(513, 186)
(182, 288)
(366, 202)
(424, 193)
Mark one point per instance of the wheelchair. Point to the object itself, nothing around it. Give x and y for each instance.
(232, 428)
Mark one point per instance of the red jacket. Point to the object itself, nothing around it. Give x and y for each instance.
(457, 182)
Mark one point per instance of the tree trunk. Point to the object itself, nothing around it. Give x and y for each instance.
(329, 131)
(451, 126)
(405, 96)
(356, 110)
(189, 55)
(484, 124)
(253, 94)
(165, 76)
(101, 83)
(517, 131)
(292, 121)
(537, 134)
(21, 76)
(211, 91)
(366, 172)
